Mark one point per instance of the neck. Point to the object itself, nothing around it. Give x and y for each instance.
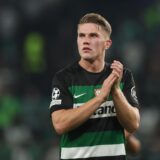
(92, 66)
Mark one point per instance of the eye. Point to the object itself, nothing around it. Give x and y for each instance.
(81, 35)
(93, 35)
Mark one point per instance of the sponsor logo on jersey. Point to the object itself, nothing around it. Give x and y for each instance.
(97, 92)
(107, 109)
(79, 95)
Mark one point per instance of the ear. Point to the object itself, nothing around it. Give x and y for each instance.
(108, 43)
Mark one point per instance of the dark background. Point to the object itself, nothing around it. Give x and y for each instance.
(38, 37)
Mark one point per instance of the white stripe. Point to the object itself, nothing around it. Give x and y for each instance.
(103, 115)
(107, 103)
(97, 114)
(94, 151)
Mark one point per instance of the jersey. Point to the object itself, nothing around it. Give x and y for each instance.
(101, 137)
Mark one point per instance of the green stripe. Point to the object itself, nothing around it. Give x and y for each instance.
(89, 90)
(93, 138)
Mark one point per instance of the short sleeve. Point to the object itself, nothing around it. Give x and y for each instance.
(61, 97)
(130, 89)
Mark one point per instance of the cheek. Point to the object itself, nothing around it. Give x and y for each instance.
(99, 45)
(79, 42)
(96, 44)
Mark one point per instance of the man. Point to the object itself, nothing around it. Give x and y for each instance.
(94, 102)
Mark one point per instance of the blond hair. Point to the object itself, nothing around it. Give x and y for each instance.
(96, 19)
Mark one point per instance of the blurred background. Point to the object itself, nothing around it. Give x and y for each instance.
(38, 37)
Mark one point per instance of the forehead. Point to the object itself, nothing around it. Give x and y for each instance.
(90, 28)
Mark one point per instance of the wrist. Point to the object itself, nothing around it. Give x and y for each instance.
(115, 91)
(100, 99)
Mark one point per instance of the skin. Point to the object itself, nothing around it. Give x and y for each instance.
(133, 145)
(92, 42)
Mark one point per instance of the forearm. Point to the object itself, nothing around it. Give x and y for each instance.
(127, 115)
(66, 120)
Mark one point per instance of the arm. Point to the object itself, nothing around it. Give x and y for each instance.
(127, 115)
(67, 119)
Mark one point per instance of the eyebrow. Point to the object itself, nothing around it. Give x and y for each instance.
(92, 33)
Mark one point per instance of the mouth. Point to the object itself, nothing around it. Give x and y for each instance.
(86, 49)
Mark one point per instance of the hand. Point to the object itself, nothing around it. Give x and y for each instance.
(133, 144)
(107, 85)
(117, 69)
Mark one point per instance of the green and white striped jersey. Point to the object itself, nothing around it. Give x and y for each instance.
(101, 137)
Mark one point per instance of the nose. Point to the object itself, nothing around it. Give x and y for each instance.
(86, 40)
(86, 43)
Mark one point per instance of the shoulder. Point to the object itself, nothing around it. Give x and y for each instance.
(67, 73)
(128, 78)
(127, 73)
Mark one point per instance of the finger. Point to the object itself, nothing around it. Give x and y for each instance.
(110, 78)
(112, 81)
(116, 73)
(118, 62)
(117, 65)
(118, 68)
(109, 81)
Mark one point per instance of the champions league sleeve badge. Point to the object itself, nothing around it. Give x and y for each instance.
(55, 97)
(55, 93)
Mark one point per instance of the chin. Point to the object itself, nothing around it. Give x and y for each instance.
(88, 58)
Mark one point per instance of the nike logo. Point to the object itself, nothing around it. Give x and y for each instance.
(77, 96)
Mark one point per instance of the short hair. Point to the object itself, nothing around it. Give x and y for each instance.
(96, 19)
